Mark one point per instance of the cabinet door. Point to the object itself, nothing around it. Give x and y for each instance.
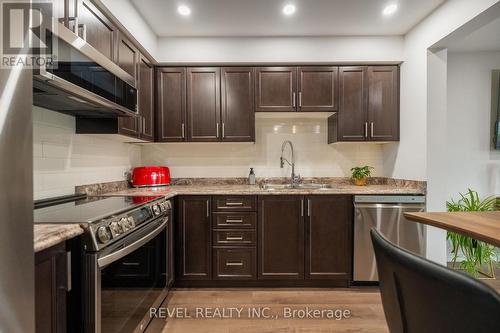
(203, 104)
(171, 104)
(50, 289)
(281, 237)
(318, 88)
(383, 103)
(328, 245)
(146, 100)
(238, 117)
(194, 251)
(352, 118)
(95, 28)
(276, 89)
(127, 57)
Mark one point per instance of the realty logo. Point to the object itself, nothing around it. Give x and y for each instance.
(24, 30)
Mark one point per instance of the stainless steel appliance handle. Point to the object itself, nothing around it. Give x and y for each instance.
(112, 257)
(388, 205)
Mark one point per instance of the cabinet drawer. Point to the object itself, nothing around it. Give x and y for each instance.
(235, 203)
(235, 220)
(235, 263)
(234, 237)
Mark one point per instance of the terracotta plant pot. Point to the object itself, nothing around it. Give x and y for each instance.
(360, 182)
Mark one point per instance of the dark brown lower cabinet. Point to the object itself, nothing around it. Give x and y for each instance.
(51, 283)
(281, 237)
(194, 243)
(328, 244)
(235, 263)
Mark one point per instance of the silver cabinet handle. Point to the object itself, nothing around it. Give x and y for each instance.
(68, 271)
(217, 136)
(308, 207)
(208, 208)
(183, 131)
(234, 238)
(223, 130)
(84, 31)
(234, 203)
(366, 130)
(302, 207)
(371, 129)
(234, 221)
(131, 264)
(234, 263)
(300, 99)
(293, 99)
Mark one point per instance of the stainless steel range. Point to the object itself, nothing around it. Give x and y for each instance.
(124, 255)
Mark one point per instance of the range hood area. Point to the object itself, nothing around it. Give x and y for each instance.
(79, 80)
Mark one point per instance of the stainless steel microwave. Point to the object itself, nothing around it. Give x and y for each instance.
(79, 80)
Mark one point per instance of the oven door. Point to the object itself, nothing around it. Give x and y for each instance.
(126, 280)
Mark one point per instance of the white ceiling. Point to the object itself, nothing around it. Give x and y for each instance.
(485, 38)
(264, 17)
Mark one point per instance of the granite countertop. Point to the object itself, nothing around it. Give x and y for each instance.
(47, 235)
(338, 187)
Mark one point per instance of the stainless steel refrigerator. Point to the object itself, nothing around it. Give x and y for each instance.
(17, 309)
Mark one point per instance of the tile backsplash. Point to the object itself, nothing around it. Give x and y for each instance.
(314, 157)
(63, 159)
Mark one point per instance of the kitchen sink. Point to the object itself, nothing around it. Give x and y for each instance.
(303, 186)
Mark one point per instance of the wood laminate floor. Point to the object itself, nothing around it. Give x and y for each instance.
(364, 304)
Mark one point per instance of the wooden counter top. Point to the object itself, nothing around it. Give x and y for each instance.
(483, 226)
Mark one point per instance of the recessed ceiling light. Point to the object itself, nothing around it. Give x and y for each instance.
(184, 10)
(390, 9)
(289, 9)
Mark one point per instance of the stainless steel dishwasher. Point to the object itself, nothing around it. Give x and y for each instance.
(385, 213)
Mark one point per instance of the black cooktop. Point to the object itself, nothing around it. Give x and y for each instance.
(87, 209)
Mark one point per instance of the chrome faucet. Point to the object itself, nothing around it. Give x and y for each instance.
(295, 179)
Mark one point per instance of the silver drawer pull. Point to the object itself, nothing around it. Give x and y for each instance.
(234, 203)
(234, 263)
(234, 221)
(130, 263)
(231, 238)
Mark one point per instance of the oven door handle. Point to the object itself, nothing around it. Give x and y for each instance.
(112, 257)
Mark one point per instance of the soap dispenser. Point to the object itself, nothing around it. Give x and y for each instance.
(251, 177)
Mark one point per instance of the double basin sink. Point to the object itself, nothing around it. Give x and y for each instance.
(303, 186)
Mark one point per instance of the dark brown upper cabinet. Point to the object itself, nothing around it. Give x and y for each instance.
(369, 105)
(171, 115)
(127, 56)
(237, 95)
(288, 89)
(317, 89)
(94, 27)
(276, 89)
(281, 237)
(194, 238)
(145, 83)
(383, 103)
(328, 244)
(203, 104)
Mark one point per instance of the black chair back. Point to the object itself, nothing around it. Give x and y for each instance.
(420, 296)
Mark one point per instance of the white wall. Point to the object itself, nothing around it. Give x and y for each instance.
(314, 157)
(470, 163)
(128, 15)
(63, 159)
(280, 49)
(409, 159)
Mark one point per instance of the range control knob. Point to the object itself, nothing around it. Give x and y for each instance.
(130, 222)
(115, 229)
(123, 223)
(156, 210)
(103, 235)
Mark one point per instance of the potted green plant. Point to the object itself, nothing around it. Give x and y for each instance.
(360, 174)
(475, 255)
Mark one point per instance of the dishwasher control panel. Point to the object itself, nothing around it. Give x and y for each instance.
(416, 199)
